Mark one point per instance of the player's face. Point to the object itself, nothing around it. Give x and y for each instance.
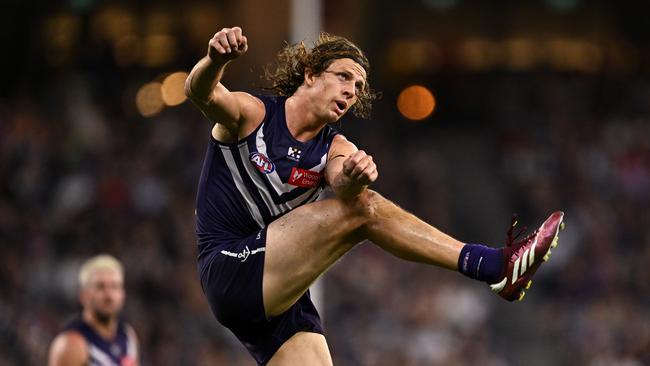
(338, 88)
(104, 294)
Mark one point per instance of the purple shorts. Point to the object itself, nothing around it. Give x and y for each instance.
(231, 276)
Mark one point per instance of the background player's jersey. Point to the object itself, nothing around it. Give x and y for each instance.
(244, 186)
(121, 351)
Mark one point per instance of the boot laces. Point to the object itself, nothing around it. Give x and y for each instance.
(511, 239)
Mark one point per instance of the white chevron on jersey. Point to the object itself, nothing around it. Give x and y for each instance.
(274, 208)
(239, 183)
(274, 178)
(99, 357)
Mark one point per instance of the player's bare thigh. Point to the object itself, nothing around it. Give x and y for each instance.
(303, 244)
(304, 348)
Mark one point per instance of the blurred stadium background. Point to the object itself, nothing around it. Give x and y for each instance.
(537, 105)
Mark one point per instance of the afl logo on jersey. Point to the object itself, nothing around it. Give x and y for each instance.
(262, 163)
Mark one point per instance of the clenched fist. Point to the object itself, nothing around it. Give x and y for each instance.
(360, 168)
(227, 44)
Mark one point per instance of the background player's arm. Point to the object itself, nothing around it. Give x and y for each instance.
(203, 86)
(68, 349)
(349, 170)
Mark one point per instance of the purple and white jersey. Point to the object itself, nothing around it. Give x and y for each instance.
(120, 351)
(244, 186)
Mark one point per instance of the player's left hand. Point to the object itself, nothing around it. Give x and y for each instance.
(360, 168)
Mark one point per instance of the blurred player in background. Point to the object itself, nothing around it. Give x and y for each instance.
(264, 236)
(99, 337)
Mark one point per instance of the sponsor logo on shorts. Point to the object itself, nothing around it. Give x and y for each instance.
(304, 178)
(243, 255)
(262, 163)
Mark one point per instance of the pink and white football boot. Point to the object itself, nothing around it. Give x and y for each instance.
(523, 257)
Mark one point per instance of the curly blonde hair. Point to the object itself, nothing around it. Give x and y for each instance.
(293, 59)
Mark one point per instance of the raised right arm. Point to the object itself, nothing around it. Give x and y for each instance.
(203, 86)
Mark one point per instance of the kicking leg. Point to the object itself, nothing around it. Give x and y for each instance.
(304, 243)
(406, 236)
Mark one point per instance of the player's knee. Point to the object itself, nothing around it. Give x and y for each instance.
(367, 202)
